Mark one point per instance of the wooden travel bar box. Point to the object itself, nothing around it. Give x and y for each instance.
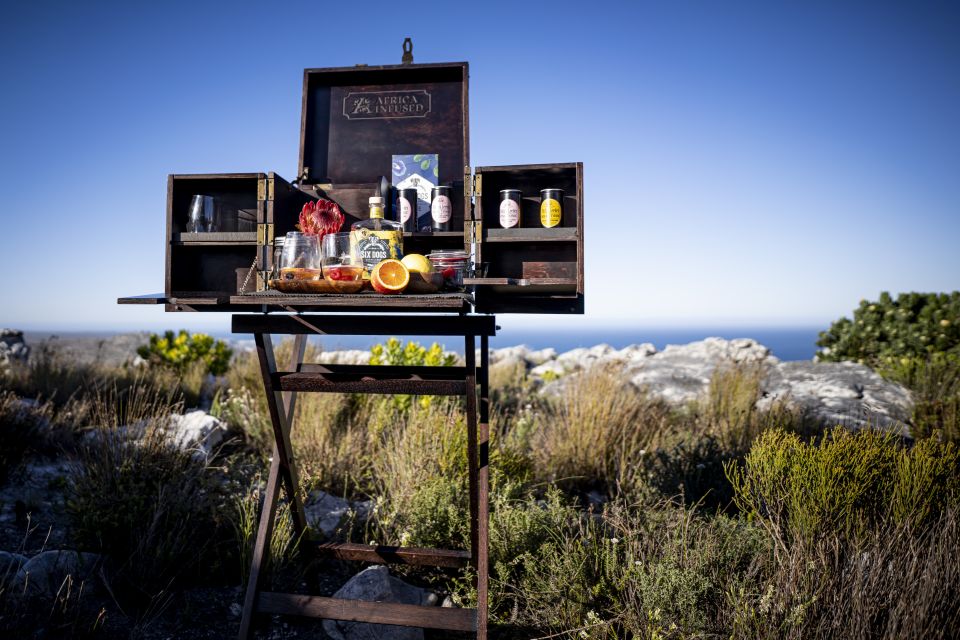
(353, 121)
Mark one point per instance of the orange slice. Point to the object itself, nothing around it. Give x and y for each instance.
(390, 276)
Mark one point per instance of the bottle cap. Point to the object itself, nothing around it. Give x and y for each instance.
(376, 200)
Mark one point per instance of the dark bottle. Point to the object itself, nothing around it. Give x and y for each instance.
(441, 209)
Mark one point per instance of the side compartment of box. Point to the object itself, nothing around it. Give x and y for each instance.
(208, 266)
(529, 268)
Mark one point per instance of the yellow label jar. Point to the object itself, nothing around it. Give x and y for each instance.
(551, 207)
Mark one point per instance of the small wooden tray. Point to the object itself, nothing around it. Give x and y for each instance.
(303, 286)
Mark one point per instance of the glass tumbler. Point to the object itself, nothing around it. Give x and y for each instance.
(204, 214)
(342, 269)
(300, 258)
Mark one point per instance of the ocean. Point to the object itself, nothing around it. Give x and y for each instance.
(797, 343)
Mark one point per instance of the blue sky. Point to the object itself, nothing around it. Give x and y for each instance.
(745, 163)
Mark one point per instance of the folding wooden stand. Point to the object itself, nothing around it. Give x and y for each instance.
(281, 389)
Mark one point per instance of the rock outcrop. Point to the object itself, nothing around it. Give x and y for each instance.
(375, 584)
(45, 573)
(324, 511)
(13, 348)
(830, 393)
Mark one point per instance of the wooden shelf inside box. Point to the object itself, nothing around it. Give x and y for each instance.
(433, 234)
(215, 238)
(555, 234)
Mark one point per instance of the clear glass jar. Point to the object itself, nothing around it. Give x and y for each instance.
(453, 265)
(277, 252)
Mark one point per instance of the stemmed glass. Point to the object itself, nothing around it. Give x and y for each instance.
(342, 268)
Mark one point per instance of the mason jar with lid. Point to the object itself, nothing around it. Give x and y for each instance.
(453, 265)
(510, 208)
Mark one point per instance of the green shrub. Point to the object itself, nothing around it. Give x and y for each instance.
(850, 483)
(179, 351)
(914, 325)
(660, 572)
(413, 354)
(935, 383)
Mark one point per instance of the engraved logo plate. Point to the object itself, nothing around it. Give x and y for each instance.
(369, 105)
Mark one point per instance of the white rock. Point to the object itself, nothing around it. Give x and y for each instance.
(46, 572)
(375, 584)
(196, 430)
(681, 373)
(10, 564)
(348, 356)
(839, 393)
(325, 511)
(13, 348)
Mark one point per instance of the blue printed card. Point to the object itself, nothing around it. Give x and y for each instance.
(420, 171)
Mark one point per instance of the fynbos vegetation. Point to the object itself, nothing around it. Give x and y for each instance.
(613, 514)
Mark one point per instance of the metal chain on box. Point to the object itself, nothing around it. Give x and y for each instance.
(246, 281)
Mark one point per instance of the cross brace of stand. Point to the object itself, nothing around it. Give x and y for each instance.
(282, 386)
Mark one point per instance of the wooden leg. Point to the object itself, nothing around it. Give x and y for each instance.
(281, 431)
(268, 511)
(469, 350)
(483, 490)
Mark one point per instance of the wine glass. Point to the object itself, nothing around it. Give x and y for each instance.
(342, 268)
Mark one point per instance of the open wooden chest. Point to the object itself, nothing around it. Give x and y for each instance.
(353, 121)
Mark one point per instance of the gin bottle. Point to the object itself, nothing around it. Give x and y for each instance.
(376, 239)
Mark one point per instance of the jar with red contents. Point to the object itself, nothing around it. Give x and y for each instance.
(453, 265)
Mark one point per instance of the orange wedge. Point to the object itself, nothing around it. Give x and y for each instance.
(390, 276)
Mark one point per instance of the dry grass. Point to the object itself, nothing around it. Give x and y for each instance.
(595, 431)
(895, 583)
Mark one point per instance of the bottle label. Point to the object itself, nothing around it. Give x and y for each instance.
(405, 210)
(509, 214)
(441, 209)
(549, 213)
(373, 247)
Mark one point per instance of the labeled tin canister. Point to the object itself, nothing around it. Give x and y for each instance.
(407, 208)
(510, 208)
(551, 207)
(441, 208)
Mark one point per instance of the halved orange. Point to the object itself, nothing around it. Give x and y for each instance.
(390, 276)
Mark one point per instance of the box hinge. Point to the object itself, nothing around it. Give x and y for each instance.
(478, 185)
(467, 182)
(265, 189)
(264, 234)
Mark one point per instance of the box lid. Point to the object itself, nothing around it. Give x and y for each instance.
(354, 119)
